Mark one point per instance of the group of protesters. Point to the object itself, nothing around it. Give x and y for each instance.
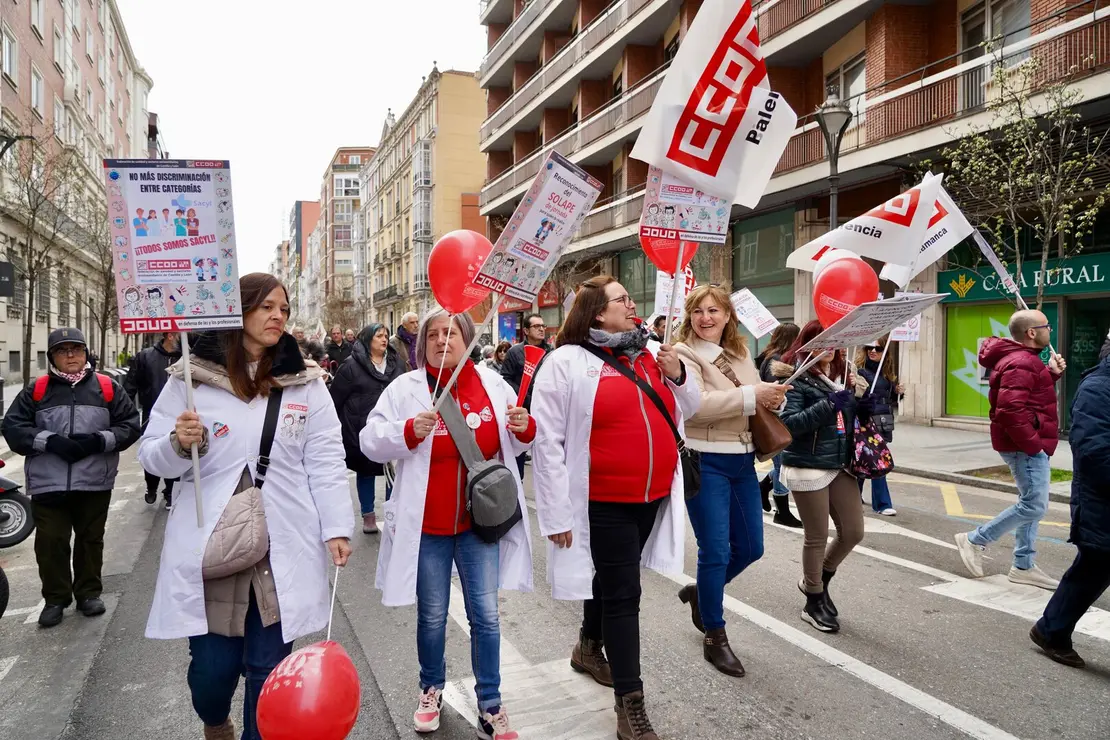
(629, 437)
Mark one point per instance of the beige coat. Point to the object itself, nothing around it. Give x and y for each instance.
(721, 423)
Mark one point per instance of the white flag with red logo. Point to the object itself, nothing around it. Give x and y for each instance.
(947, 228)
(715, 124)
(892, 232)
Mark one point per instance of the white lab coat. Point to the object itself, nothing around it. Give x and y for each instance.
(383, 439)
(306, 504)
(563, 404)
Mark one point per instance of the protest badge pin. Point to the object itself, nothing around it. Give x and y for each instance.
(473, 420)
(220, 430)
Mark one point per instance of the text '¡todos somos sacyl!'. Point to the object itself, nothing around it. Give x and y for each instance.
(193, 241)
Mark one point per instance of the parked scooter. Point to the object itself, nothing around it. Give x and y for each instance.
(16, 525)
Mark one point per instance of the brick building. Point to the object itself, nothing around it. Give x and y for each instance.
(578, 76)
(339, 202)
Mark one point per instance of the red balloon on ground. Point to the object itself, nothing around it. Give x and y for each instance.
(663, 252)
(314, 694)
(841, 287)
(452, 265)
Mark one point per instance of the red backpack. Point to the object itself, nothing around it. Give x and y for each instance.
(106, 388)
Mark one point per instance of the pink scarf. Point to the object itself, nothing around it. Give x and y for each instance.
(73, 378)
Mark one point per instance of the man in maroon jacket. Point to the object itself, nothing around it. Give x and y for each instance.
(1025, 432)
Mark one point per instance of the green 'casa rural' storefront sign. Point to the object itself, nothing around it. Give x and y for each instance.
(1084, 273)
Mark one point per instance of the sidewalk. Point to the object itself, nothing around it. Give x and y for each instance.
(947, 454)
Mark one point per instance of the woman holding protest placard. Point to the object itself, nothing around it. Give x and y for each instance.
(820, 411)
(725, 511)
(781, 338)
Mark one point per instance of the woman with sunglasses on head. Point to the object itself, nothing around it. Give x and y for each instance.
(820, 411)
(725, 511)
(781, 338)
(887, 392)
(609, 408)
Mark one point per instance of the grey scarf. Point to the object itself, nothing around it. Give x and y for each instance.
(628, 343)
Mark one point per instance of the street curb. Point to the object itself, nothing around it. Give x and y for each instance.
(970, 480)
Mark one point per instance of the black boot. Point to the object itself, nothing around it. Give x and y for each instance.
(826, 576)
(765, 487)
(688, 594)
(816, 612)
(783, 515)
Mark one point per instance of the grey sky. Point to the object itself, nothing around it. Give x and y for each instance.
(276, 91)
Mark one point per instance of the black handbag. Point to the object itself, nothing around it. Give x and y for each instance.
(690, 459)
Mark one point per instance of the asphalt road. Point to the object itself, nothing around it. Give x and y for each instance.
(924, 651)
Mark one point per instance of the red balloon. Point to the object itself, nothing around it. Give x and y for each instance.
(841, 287)
(314, 694)
(452, 265)
(663, 252)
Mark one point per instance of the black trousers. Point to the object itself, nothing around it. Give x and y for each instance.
(82, 515)
(1082, 585)
(152, 483)
(618, 533)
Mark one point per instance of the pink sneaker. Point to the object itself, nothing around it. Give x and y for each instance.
(495, 725)
(426, 717)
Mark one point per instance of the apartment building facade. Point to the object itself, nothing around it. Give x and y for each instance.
(579, 76)
(422, 183)
(302, 220)
(69, 78)
(339, 201)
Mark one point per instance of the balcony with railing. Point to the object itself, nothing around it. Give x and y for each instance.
(630, 108)
(573, 61)
(495, 11)
(386, 294)
(523, 38)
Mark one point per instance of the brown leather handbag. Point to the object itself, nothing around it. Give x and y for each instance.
(769, 435)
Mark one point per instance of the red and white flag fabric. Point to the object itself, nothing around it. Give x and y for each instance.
(947, 227)
(715, 124)
(891, 232)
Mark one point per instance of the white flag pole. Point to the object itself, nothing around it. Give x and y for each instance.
(194, 449)
(473, 343)
(674, 292)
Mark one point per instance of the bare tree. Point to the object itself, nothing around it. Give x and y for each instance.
(1032, 169)
(95, 238)
(340, 311)
(43, 179)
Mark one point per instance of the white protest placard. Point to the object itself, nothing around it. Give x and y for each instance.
(714, 122)
(752, 314)
(539, 230)
(692, 214)
(910, 331)
(891, 232)
(664, 286)
(947, 227)
(173, 239)
(869, 321)
(568, 302)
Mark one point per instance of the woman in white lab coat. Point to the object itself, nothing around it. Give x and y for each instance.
(608, 481)
(427, 525)
(245, 623)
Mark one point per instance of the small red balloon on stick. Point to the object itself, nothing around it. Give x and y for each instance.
(454, 261)
(841, 287)
(314, 694)
(663, 252)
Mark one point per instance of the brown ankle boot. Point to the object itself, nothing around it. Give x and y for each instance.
(688, 594)
(632, 719)
(226, 731)
(716, 650)
(587, 657)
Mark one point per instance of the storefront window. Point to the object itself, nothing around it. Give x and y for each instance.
(760, 248)
(637, 275)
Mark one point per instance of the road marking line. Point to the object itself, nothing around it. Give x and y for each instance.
(926, 703)
(6, 666)
(955, 507)
(32, 611)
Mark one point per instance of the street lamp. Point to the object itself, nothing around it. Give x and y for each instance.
(833, 116)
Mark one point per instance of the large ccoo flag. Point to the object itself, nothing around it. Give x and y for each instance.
(947, 227)
(892, 232)
(715, 124)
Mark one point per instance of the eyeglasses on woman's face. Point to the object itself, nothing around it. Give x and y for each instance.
(625, 299)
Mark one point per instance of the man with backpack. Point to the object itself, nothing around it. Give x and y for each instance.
(146, 377)
(71, 424)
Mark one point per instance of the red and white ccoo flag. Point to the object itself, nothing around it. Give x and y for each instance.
(715, 124)
(891, 232)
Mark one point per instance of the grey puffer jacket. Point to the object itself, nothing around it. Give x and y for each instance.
(70, 409)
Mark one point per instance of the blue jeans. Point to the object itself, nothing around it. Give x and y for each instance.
(1032, 475)
(364, 484)
(779, 488)
(477, 563)
(218, 661)
(880, 493)
(727, 516)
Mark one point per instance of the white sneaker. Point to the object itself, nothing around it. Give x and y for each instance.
(971, 554)
(888, 512)
(496, 726)
(1032, 577)
(426, 717)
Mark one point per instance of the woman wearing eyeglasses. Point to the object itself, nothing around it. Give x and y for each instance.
(887, 392)
(608, 406)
